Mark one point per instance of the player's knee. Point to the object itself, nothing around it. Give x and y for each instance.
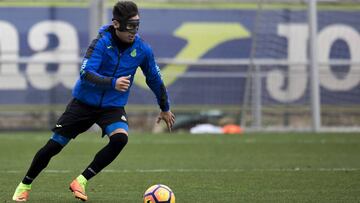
(60, 139)
(119, 140)
(119, 131)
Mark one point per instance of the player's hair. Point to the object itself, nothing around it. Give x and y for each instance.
(124, 10)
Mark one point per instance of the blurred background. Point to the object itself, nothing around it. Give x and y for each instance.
(267, 65)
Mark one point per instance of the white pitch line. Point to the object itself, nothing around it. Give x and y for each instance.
(202, 170)
(241, 140)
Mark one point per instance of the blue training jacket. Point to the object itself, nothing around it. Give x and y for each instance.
(104, 60)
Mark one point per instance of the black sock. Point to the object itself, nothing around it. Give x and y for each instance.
(106, 155)
(41, 160)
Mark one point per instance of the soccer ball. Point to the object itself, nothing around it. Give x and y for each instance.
(159, 194)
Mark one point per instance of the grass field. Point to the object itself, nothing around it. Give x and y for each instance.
(202, 168)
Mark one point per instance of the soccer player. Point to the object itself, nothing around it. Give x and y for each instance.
(100, 94)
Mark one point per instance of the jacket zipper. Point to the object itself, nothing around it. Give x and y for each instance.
(117, 67)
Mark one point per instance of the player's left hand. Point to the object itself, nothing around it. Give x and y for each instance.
(168, 117)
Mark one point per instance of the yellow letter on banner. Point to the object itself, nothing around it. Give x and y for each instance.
(201, 37)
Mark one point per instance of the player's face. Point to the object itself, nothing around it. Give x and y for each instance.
(127, 36)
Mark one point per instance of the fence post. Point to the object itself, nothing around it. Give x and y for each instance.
(314, 69)
(97, 17)
(256, 110)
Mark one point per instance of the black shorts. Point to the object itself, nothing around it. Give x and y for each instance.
(79, 117)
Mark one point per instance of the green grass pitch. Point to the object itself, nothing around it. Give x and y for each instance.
(199, 168)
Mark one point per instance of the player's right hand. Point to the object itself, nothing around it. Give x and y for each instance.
(123, 83)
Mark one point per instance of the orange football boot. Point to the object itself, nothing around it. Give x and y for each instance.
(21, 193)
(78, 190)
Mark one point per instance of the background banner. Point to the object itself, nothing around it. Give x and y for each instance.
(62, 34)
